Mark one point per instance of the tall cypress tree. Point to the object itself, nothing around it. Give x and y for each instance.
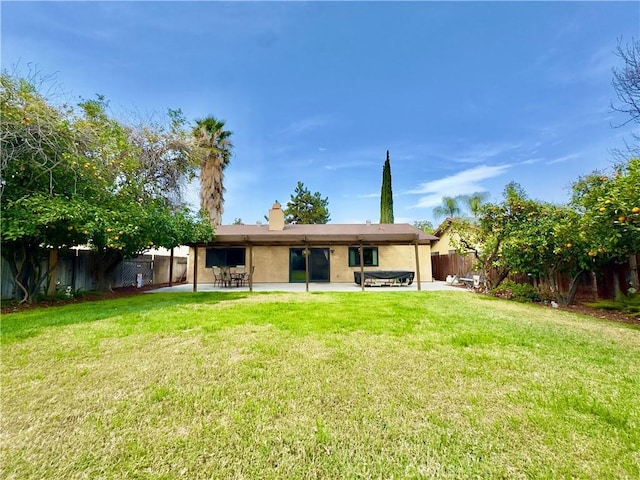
(386, 196)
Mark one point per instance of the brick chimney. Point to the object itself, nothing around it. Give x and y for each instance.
(276, 217)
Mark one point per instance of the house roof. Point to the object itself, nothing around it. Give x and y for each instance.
(396, 233)
(443, 227)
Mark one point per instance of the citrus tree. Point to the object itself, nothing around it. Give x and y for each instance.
(72, 177)
(539, 239)
(610, 208)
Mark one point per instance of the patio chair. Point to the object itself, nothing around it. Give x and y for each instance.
(248, 276)
(239, 275)
(217, 276)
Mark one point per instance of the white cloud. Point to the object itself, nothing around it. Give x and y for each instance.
(465, 182)
(564, 158)
(482, 153)
(531, 161)
(306, 124)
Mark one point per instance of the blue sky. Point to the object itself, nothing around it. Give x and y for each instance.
(466, 96)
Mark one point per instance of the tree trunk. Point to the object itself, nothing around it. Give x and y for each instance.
(573, 288)
(502, 275)
(633, 266)
(552, 280)
(53, 262)
(105, 265)
(617, 293)
(24, 262)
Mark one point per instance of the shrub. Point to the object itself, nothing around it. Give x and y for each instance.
(519, 292)
(629, 304)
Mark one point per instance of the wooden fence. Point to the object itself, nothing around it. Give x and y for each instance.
(74, 270)
(452, 264)
(613, 277)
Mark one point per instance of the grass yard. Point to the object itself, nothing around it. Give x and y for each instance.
(320, 385)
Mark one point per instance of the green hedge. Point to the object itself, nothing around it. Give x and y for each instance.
(519, 292)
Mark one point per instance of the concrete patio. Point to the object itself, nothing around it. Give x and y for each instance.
(313, 287)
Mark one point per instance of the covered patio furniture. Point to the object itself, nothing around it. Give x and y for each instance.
(384, 278)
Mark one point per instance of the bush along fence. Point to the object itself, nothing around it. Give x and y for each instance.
(74, 273)
(611, 282)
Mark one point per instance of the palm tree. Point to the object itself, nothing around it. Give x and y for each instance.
(214, 147)
(449, 208)
(475, 202)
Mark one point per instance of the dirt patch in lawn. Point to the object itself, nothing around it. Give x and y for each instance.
(613, 315)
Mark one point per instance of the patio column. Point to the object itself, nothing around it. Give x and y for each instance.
(306, 267)
(171, 268)
(361, 252)
(195, 268)
(417, 264)
(250, 267)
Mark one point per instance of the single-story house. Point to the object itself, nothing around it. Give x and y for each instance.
(279, 253)
(446, 261)
(444, 245)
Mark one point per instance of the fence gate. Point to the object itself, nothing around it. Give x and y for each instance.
(131, 269)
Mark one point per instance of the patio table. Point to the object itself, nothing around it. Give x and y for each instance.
(238, 278)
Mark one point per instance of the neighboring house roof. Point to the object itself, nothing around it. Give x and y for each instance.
(443, 227)
(396, 233)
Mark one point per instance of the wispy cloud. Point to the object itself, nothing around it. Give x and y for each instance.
(530, 161)
(368, 195)
(563, 159)
(465, 182)
(305, 125)
(352, 164)
(482, 153)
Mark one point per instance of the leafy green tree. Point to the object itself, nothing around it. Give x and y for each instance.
(610, 209)
(213, 148)
(42, 187)
(306, 208)
(74, 177)
(137, 207)
(486, 237)
(386, 195)
(546, 243)
(450, 208)
(539, 239)
(424, 225)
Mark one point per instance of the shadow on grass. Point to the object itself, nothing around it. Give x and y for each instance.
(22, 325)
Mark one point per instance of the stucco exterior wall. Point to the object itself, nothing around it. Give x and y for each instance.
(443, 245)
(272, 263)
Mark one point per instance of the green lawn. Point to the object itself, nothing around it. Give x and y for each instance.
(320, 385)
